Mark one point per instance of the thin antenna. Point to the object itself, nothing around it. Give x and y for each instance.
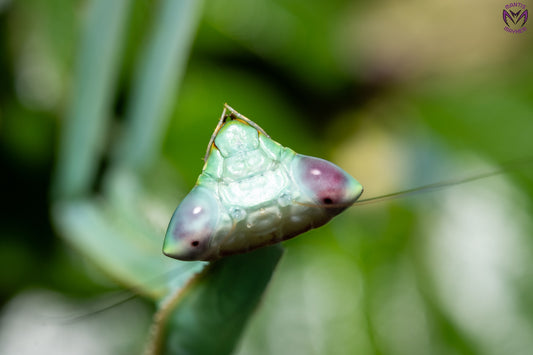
(241, 117)
(123, 297)
(234, 115)
(100, 309)
(504, 168)
(221, 122)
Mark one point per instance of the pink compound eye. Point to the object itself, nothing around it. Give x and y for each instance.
(325, 183)
(192, 226)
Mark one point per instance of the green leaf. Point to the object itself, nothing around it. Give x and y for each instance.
(158, 74)
(86, 122)
(209, 316)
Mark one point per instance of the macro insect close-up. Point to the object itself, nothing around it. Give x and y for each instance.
(367, 186)
(253, 192)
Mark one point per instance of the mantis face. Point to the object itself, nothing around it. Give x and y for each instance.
(254, 192)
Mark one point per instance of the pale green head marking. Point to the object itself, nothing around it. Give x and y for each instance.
(236, 137)
(254, 192)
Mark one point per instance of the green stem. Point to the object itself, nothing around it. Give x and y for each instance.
(211, 313)
(81, 142)
(156, 82)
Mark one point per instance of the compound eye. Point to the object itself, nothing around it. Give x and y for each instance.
(325, 183)
(192, 226)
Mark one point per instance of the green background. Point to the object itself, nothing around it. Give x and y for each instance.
(398, 94)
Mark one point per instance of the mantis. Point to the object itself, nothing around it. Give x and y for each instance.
(226, 229)
(330, 285)
(275, 195)
(253, 192)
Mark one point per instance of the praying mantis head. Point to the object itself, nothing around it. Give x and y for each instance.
(254, 192)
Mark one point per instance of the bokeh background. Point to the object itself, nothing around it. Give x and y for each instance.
(399, 94)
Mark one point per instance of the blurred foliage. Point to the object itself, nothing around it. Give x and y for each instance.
(398, 94)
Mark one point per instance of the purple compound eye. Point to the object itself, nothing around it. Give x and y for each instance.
(325, 183)
(192, 226)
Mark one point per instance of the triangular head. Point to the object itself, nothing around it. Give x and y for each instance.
(254, 192)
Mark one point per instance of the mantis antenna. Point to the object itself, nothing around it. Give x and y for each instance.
(253, 192)
(503, 168)
(232, 114)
